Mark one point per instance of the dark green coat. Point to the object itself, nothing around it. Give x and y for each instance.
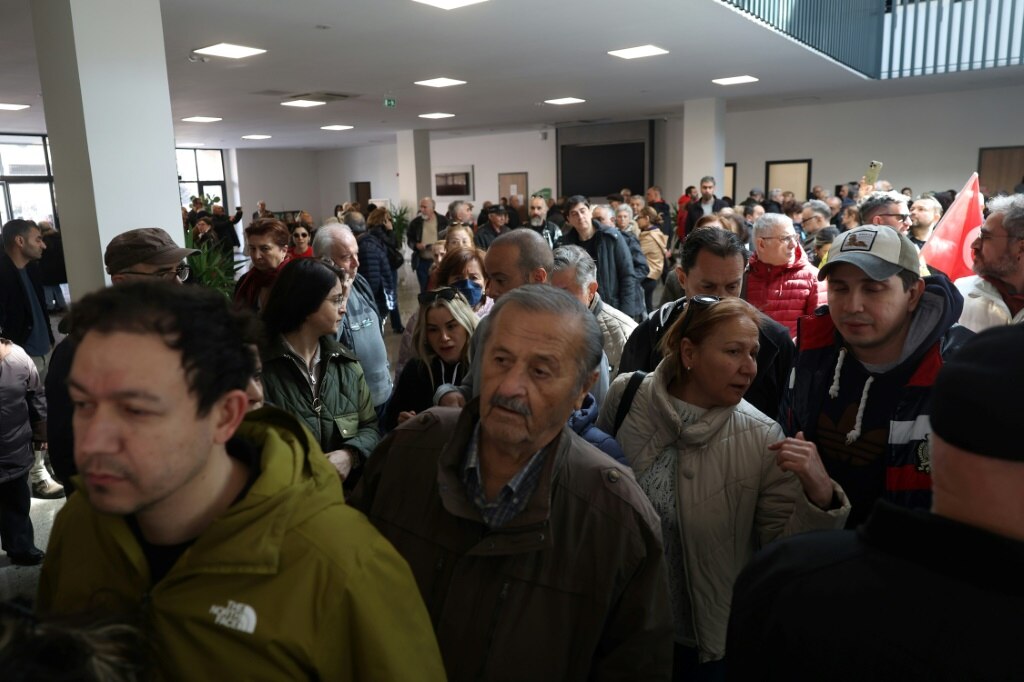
(344, 415)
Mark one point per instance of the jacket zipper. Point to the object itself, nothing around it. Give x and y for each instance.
(686, 563)
(492, 629)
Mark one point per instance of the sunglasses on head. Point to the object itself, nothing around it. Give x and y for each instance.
(444, 293)
(702, 301)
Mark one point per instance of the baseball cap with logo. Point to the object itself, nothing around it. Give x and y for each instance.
(144, 245)
(878, 250)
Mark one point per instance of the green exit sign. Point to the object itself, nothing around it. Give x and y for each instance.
(390, 102)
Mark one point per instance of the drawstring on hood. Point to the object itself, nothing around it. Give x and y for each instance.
(833, 392)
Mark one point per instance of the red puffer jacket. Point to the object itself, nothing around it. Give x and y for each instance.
(785, 292)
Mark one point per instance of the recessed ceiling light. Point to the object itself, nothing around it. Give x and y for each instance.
(256, 137)
(230, 51)
(448, 4)
(202, 119)
(13, 107)
(437, 115)
(440, 82)
(637, 52)
(565, 100)
(190, 144)
(302, 103)
(336, 127)
(734, 80)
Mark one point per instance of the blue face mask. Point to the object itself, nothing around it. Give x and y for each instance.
(473, 291)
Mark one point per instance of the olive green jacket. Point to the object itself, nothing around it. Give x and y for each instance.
(289, 583)
(342, 414)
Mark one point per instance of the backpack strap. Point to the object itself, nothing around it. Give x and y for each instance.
(627, 399)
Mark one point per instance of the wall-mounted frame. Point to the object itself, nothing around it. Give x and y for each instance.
(791, 174)
(454, 182)
(729, 181)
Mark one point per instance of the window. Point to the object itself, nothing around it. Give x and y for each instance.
(200, 172)
(26, 182)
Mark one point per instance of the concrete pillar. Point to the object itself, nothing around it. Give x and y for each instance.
(108, 114)
(674, 181)
(703, 141)
(415, 179)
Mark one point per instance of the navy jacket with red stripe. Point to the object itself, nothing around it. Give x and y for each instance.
(898, 401)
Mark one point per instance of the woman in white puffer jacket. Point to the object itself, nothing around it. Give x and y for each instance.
(723, 477)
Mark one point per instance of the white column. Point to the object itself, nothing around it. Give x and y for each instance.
(674, 181)
(703, 140)
(108, 114)
(415, 179)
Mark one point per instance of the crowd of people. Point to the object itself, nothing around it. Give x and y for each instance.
(561, 478)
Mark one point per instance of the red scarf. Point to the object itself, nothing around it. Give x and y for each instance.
(247, 293)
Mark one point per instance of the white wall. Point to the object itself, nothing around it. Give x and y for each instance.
(499, 153)
(488, 154)
(927, 142)
(338, 168)
(287, 179)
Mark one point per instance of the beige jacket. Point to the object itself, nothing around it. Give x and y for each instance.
(616, 326)
(731, 497)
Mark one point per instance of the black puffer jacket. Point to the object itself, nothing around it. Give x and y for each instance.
(376, 268)
(616, 278)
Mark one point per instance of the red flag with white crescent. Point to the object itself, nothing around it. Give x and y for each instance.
(949, 247)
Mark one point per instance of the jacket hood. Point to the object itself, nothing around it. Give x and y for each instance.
(296, 482)
(585, 417)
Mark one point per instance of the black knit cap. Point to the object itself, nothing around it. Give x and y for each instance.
(976, 403)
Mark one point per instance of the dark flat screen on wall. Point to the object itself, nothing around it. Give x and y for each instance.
(602, 169)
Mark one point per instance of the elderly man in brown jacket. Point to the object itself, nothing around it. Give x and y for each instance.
(539, 558)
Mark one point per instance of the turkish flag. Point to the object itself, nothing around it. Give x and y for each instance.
(949, 247)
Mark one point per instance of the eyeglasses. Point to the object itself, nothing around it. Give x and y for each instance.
(788, 239)
(327, 260)
(702, 301)
(444, 293)
(904, 217)
(181, 272)
(338, 300)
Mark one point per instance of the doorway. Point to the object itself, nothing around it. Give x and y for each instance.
(793, 175)
(514, 185)
(360, 192)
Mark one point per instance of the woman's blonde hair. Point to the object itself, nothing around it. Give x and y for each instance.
(458, 306)
(696, 324)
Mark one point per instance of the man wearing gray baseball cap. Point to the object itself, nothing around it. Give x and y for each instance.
(140, 254)
(860, 387)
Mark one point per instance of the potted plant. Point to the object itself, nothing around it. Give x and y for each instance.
(212, 267)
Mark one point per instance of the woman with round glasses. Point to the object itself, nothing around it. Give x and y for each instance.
(307, 372)
(445, 324)
(721, 475)
(267, 242)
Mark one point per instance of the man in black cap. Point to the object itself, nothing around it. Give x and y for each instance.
(136, 255)
(911, 595)
(497, 219)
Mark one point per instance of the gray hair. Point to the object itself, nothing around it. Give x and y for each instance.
(876, 202)
(769, 220)
(819, 207)
(608, 212)
(455, 206)
(542, 298)
(572, 256)
(1012, 209)
(325, 237)
(355, 221)
(708, 178)
(625, 208)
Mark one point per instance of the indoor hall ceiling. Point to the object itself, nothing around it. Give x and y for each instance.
(513, 54)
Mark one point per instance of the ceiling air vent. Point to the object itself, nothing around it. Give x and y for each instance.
(323, 96)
